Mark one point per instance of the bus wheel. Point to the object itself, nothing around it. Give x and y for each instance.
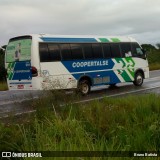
(84, 87)
(138, 81)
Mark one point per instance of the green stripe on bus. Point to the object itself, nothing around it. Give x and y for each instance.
(125, 76)
(11, 76)
(103, 39)
(130, 61)
(10, 70)
(9, 65)
(131, 72)
(115, 40)
(120, 60)
(13, 64)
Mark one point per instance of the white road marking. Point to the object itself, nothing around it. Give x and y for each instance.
(17, 101)
(114, 95)
(18, 114)
(151, 79)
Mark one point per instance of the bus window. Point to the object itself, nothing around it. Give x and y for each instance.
(137, 51)
(97, 51)
(43, 51)
(115, 50)
(87, 49)
(106, 50)
(126, 49)
(19, 49)
(54, 52)
(77, 52)
(66, 52)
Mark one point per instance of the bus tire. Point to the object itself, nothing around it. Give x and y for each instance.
(138, 80)
(84, 87)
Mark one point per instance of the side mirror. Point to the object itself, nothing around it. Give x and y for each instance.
(144, 51)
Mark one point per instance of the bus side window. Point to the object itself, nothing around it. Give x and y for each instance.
(43, 51)
(115, 50)
(97, 51)
(106, 50)
(66, 52)
(137, 51)
(54, 52)
(126, 49)
(77, 52)
(87, 49)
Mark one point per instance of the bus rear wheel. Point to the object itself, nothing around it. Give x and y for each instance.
(84, 87)
(138, 81)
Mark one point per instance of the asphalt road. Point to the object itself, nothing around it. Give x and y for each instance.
(150, 85)
(16, 102)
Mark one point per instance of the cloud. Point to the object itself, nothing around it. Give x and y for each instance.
(98, 17)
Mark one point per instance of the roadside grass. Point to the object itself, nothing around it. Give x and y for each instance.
(3, 86)
(128, 123)
(154, 59)
(154, 66)
(153, 56)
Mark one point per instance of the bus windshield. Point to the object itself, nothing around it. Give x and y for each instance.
(18, 50)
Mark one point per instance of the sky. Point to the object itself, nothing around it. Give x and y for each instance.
(136, 18)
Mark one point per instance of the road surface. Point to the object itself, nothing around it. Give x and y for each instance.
(16, 102)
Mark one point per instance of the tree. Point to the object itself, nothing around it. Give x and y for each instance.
(2, 65)
(148, 47)
(158, 45)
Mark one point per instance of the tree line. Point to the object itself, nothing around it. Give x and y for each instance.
(149, 47)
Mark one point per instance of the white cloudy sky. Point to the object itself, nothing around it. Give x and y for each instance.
(137, 18)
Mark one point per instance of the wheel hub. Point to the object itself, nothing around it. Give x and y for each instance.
(139, 79)
(84, 88)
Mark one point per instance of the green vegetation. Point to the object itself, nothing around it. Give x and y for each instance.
(154, 66)
(112, 124)
(154, 59)
(153, 56)
(2, 68)
(3, 86)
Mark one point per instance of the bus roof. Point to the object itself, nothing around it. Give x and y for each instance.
(78, 38)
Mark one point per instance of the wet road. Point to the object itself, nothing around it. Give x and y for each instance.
(15, 102)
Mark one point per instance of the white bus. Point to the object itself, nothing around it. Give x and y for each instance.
(36, 62)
